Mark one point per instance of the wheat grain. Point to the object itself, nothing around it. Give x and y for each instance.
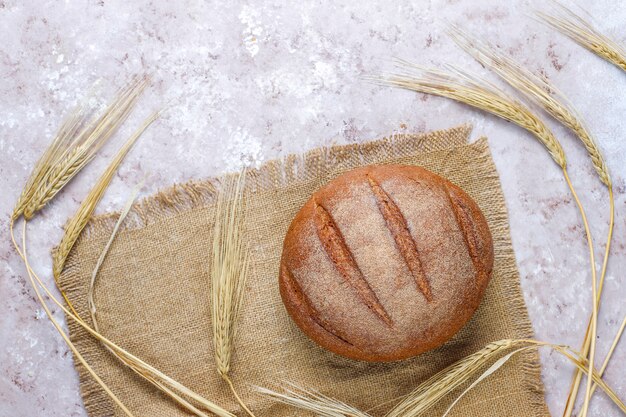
(228, 274)
(83, 214)
(465, 88)
(51, 156)
(80, 148)
(436, 387)
(584, 33)
(538, 90)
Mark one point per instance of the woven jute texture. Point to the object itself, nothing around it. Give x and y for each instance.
(152, 294)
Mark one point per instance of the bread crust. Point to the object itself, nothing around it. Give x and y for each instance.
(385, 262)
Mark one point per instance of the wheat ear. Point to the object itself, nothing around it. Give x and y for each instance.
(542, 93)
(228, 275)
(61, 142)
(536, 89)
(443, 383)
(465, 88)
(313, 401)
(439, 385)
(75, 151)
(582, 32)
(76, 224)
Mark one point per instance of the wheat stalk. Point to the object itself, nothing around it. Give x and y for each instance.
(578, 29)
(153, 375)
(542, 93)
(76, 224)
(92, 309)
(582, 32)
(22, 253)
(431, 391)
(595, 294)
(91, 303)
(582, 364)
(228, 275)
(142, 368)
(71, 152)
(313, 401)
(616, 339)
(439, 385)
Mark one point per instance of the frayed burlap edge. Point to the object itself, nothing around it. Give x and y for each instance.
(181, 198)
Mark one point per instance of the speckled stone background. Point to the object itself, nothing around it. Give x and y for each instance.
(249, 81)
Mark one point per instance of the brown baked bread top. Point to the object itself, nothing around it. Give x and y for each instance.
(385, 262)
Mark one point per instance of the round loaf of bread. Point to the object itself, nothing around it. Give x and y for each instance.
(385, 262)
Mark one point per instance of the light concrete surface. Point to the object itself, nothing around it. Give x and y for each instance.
(245, 82)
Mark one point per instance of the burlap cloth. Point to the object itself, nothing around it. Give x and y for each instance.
(153, 294)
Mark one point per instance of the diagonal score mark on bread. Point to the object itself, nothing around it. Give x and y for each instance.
(304, 303)
(397, 225)
(335, 247)
(469, 232)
